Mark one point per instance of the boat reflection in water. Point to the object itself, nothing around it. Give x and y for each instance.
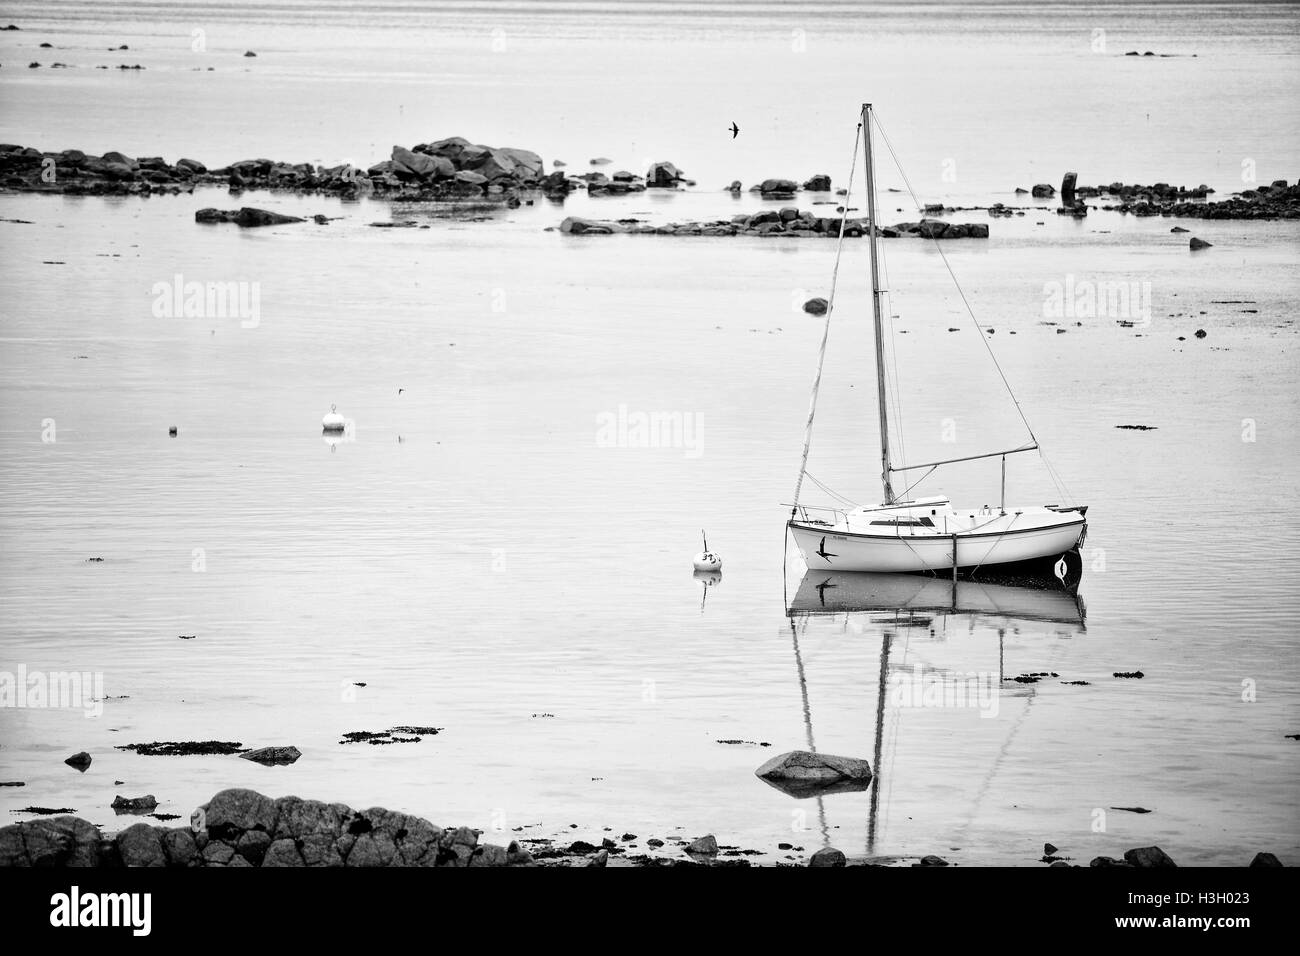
(945, 655)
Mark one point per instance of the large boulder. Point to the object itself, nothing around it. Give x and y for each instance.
(528, 165)
(238, 810)
(781, 188)
(141, 845)
(52, 841)
(663, 176)
(449, 148)
(493, 164)
(801, 773)
(422, 165)
(821, 183)
(1043, 191)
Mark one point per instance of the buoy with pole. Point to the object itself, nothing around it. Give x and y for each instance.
(706, 560)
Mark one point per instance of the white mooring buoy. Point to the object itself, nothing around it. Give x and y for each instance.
(706, 560)
(333, 422)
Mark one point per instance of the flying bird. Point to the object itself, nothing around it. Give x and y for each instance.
(735, 130)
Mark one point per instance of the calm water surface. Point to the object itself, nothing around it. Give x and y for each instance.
(478, 559)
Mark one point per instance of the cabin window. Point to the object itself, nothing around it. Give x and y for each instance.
(905, 522)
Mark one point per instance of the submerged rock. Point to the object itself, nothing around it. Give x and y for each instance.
(246, 216)
(801, 773)
(1195, 243)
(81, 760)
(145, 804)
(273, 756)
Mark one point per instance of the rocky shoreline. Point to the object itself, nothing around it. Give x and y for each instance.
(244, 828)
(454, 169)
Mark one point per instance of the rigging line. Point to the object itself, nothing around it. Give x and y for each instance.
(908, 490)
(947, 265)
(992, 546)
(830, 491)
(826, 329)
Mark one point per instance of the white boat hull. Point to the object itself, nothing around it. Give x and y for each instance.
(832, 548)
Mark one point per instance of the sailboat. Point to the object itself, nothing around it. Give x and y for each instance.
(927, 535)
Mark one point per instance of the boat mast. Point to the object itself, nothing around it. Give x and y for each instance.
(875, 307)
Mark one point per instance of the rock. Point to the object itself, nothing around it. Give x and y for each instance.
(421, 165)
(517, 855)
(55, 841)
(145, 804)
(1199, 243)
(247, 217)
(1265, 859)
(932, 861)
(601, 161)
(471, 178)
(705, 846)
(1179, 229)
(239, 810)
(179, 847)
(1043, 191)
(249, 53)
(141, 845)
(577, 227)
(1048, 849)
(1060, 863)
(663, 176)
(778, 188)
(1067, 188)
(273, 756)
(932, 228)
(217, 853)
(79, 760)
(978, 230)
(827, 856)
(252, 846)
(600, 859)
(821, 183)
(802, 773)
(527, 163)
(191, 166)
(112, 156)
(1201, 333)
(284, 852)
(1148, 857)
(735, 187)
(817, 306)
(654, 842)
